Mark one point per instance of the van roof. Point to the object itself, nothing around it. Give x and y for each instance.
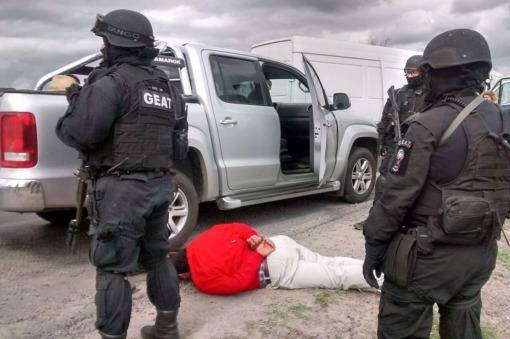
(310, 45)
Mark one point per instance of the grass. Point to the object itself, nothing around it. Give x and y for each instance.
(322, 298)
(299, 310)
(280, 314)
(504, 257)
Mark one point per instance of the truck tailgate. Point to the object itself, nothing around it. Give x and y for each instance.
(49, 184)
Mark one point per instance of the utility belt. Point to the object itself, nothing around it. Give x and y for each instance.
(92, 174)
(461, 221)
(459, 218)
(152, 173)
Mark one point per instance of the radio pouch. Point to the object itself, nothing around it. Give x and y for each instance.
(466, 220)
(400, 259)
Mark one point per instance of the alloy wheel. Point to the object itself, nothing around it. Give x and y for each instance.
(361, 176)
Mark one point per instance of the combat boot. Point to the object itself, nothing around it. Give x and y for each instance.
(113, 336)
(164, 328)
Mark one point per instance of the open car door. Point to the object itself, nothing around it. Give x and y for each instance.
(325, 130)
(502, 89)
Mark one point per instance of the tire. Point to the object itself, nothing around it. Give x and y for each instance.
(183, 211)
(359, 182)
(60, 218)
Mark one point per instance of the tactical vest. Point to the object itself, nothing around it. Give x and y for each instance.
(141, 139)
(474, 204)
(410, 101)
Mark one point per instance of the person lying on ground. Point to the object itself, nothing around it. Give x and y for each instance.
(231, 258)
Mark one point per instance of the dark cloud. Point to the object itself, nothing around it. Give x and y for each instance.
(467, 6)
(39, 36)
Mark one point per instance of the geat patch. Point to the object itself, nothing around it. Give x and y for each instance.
(153, 99)
(399, 165)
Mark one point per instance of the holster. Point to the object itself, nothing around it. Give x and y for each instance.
(180, 144)
(400, 258)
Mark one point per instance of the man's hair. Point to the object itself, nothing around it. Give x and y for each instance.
(180, 261)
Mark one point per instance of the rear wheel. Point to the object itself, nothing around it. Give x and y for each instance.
(183, 211)
(360, 175)
(58, 217)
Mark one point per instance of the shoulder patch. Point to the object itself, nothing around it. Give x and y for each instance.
(401, 158)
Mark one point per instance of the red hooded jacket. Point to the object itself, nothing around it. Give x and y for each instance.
(222, 262)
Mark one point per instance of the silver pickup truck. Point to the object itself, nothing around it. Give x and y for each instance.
(259, 131)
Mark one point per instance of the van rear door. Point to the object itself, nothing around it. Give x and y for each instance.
(325, 130)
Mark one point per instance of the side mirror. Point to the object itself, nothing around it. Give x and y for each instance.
(341, 101)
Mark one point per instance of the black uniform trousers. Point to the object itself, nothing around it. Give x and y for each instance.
(451, 276)
(132, 212)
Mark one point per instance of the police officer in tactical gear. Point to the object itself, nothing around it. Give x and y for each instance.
(433, 232)
(122, 122)
(410, 99)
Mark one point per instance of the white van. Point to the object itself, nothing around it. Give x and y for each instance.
(363, 72)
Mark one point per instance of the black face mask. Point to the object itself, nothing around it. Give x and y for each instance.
(415, 81)
(449, 81)
(105, 62)
(112, 55)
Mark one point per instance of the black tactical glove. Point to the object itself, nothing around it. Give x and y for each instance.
(72, 92)
(369, 266)
(383, 151)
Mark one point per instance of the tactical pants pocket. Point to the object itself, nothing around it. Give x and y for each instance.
(400, 259)
(104, 249)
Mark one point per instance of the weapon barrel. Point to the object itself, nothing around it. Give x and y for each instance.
(394, 106)
(77, 223)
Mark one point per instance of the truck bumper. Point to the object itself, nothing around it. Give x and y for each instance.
(18, 195)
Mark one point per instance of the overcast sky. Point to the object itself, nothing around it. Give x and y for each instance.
(39, 36)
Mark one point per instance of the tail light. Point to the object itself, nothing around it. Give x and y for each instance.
(18, 140)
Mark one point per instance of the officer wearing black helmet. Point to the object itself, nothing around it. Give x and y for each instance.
(410, 99)
(122, 122)
(433, 232)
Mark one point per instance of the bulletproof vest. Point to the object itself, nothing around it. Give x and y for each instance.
(141, 138)
(486, 171)
(410, 100)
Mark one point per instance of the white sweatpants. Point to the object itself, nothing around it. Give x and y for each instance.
(294, 266)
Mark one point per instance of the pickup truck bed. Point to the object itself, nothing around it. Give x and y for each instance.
(51, 185)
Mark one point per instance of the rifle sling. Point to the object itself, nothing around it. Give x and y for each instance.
(460, 117)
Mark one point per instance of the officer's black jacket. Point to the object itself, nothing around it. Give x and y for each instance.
(93, 111)
(425, 160)
(409, 100)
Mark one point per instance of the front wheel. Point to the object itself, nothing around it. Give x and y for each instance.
(183, 211)
(360, 175)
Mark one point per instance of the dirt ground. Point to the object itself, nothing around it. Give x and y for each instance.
(45, 293)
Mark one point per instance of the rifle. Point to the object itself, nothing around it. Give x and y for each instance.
(392, 96)
(78, 223)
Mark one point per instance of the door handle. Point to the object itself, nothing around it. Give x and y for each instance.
(228, 121)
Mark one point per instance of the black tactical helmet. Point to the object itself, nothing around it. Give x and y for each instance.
(455, 48)
(413, 62)
(124, 28)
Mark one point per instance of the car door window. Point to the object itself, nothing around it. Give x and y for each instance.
(237, 81)
(505, 93)
(285, 86)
